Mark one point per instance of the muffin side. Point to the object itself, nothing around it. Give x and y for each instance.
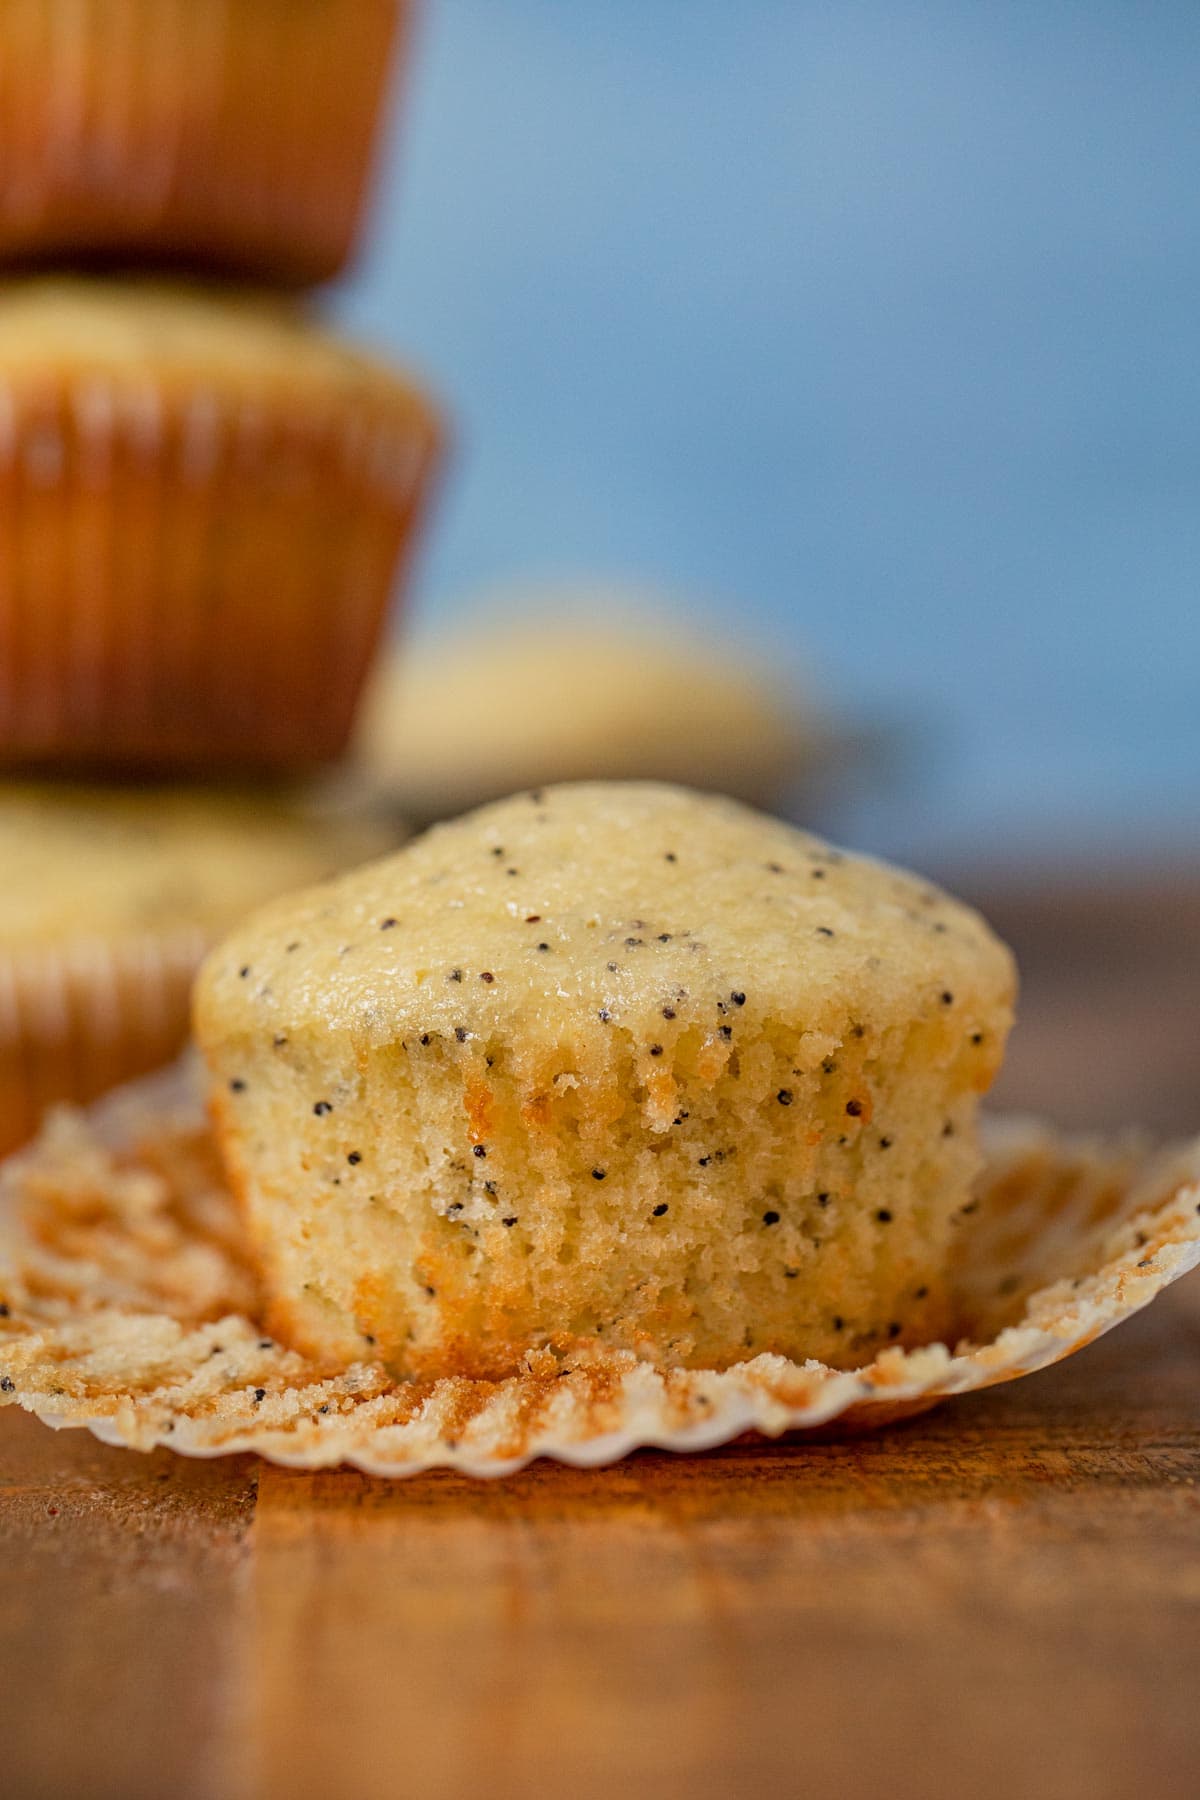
(611, 1065)
(111, 900)
(192, 131)
(204, 507)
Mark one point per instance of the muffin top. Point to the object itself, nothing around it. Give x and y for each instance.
(107, 862)
(576, 910)
(557, 695)
(136, 329)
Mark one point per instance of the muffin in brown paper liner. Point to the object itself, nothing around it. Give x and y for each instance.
(204, 508)
(236, 136)
(111, 899)
(128, 1305)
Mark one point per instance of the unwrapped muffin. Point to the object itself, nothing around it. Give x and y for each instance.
(237, 135)
(110, 899)
(605, 1064)
(204, 505)
(593, 687)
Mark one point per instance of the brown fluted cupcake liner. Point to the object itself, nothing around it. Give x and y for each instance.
(192, 579)
(111, 898)
(77, 1018)
(235, 135)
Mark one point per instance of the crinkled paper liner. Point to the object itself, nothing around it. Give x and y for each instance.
(128, 1307)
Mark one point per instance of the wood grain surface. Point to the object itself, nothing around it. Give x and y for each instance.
(999, 1599)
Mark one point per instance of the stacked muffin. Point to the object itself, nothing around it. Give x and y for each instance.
(205, 500)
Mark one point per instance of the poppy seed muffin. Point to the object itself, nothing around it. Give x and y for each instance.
(607, 1064)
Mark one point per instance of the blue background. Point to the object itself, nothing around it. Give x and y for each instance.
(871, 329)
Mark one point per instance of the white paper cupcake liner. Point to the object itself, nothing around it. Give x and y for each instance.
(128, 1307)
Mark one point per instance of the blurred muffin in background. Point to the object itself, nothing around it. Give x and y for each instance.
(204, 504)
(237, 137)
(599, 686)
(111, 898)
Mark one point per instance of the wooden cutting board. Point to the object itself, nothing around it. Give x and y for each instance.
(1001, 1599)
